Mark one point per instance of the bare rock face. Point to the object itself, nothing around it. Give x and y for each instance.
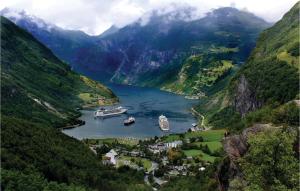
(245, 99)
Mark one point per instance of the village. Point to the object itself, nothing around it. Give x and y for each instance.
(162, 158)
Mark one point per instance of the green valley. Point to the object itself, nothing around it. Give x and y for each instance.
(38, 94)
(233, 127)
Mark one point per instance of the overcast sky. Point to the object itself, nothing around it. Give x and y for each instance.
(95, 16)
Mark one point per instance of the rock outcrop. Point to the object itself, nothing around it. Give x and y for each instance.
(244, 98)
(235, 147)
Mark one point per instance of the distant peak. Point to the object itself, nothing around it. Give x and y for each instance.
(112, 29)
(17, 16)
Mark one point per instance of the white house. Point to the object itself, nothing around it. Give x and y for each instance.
(173, 144)
(111, 155)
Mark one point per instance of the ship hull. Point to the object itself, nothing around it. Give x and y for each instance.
(128, 123)
(110, 114)
(164, 127)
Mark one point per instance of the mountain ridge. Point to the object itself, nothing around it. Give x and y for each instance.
(134, 54)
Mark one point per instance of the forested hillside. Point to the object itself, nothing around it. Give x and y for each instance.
(39, 93)
(266, 85)
(157, 53)
(260, 109)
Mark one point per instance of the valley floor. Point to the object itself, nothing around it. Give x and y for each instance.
(161, 158)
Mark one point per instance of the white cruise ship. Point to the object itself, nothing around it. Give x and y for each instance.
(163, 123)
(110, 112)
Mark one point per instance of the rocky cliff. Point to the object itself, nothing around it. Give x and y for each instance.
(235, 147)
(271, 74)
(245, 99)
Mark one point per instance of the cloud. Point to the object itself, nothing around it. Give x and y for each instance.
(95, 16)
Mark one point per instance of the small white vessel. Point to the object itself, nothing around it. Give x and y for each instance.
(194, 124)
(109, 112)
(163, 123)
(129, 121)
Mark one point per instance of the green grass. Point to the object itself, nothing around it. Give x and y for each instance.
(195, 153)
(223, 49)
(200, 74)
(171, 138)
(208, 136)
(86, 97)
(287, 57)
(146, 163)
(211, 138)
(213, 146)
(123, 141)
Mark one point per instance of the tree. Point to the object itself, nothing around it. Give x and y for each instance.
(102, 150)
(175, 156)
(270, 162)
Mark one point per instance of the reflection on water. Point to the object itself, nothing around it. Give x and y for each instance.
(145, 104)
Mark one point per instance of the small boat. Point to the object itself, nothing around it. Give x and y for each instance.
(194, 124)
(129, 121)
(109, 112)
(163, 123)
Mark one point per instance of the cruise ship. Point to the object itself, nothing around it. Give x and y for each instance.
(163, 123)
(110, 112)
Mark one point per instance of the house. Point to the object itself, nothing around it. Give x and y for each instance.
(157, 148)
(202, 168)
(134, 153)
(173, 144)
(111, 157)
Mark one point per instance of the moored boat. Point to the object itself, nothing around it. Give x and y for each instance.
(129, 121)
(109, 112)
(163, 123)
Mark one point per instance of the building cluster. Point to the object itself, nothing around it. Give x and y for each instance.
(160, 147)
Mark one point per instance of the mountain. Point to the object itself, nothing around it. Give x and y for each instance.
(149, 54)
(63, 43)
(32, 74)
(38, 93)
(145, 53)
(275, 62)
(260, 109)
(109, 31)
(266, 85)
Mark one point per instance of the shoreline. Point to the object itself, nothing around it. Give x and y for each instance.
(194, 112)
(79, 122)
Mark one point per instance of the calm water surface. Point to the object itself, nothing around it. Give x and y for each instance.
(145, 104)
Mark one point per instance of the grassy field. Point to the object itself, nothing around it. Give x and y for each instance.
(171, 138)
(208, 136)
(211, 138)
(135, 160)
(195, 153)
(213, 146)
(124, 141)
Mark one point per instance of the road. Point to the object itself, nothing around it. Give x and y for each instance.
(202, 118)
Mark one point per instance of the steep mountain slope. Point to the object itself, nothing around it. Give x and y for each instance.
(63, 43)
(266, 84)
(150, 51)
(37, 77)
(260, 108)
(38, 93)
(272, 71)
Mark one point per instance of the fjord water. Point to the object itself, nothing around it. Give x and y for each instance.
(145, 105)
